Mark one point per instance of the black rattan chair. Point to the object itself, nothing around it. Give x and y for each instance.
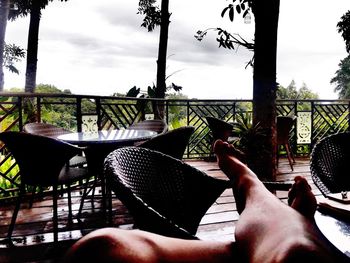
(172, 143)
(53, 131)
(220, 130)
(329, 163)
(42, 163)
(163, 194)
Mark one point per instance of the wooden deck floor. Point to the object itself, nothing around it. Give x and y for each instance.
(33, 236)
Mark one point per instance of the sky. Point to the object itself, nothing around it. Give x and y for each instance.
(99, 48)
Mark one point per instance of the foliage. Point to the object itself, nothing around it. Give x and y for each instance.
(342, 75)
(62, 115)
(177, 114)
(144, 106)
(151, 93)
(344, 28)
(12, 54)
(154, 17)
(342, 79)
(226, 39)
(291, 92)
(23, 7)
(250, 138)
(32, 8)
(244, 7)
(151, 12)
(11, 170)
(248, 134)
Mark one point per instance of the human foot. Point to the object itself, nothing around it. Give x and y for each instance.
(221, 147)
(230, 160)
(301, 198)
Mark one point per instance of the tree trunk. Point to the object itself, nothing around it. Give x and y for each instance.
(4, 12)
(264, 81)
(32, 47)
(162, 56)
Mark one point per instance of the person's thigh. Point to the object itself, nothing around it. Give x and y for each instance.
(116, 245)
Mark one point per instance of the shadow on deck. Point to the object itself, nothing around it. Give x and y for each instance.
(33, 231)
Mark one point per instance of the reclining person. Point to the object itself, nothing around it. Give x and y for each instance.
(267, 230)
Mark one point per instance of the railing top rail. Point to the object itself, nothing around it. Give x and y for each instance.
(64, 95)
(313, 100)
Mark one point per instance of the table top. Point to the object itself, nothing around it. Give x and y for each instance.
(104, 136)
(336, 230)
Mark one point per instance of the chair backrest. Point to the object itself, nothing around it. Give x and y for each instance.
(162, 193)
(44, 129)
(284, 125)
(39, 158)
(172, 143)
(329, 163)
(159, 126)
(219, 128)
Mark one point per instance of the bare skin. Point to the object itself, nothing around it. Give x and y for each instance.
(267, 231)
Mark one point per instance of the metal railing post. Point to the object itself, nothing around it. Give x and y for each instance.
(79, 114)
(20, 113)
(38, 109)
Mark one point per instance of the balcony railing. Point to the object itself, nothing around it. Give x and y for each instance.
(316, 119)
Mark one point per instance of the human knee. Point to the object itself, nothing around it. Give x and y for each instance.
(114, 245)
(93, 247)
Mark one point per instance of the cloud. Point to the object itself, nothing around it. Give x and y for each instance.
(122, 15)
(92, 46)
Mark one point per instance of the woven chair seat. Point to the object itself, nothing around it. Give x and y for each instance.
(163, 194)
(53, 131)
(329, 163)
(42, 163)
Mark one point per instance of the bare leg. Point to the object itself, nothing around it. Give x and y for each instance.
(116, 245)
(268, 230)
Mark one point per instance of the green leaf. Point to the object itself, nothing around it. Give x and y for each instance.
(176, 87)
(245, 13)
(224, 11)
(238, 8)
(231, 14)
(13, 69)
(133, 92)
(151, 91)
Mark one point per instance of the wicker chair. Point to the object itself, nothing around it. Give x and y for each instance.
(42, 163)
(329, 163)
(172, 143)
(284, 125)
(52, 131)
(158, 126)
(219, 130)
(163, 194)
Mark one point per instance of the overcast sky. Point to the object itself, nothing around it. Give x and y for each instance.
(98, 47)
